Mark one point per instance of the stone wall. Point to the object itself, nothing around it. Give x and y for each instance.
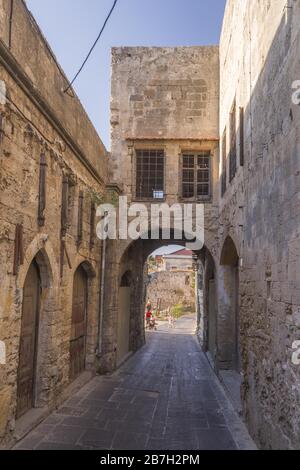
(168, 96)
(162, 98)
(178, 263)
(37, 118)
(172, 289)
(30, 48)
(259, 61)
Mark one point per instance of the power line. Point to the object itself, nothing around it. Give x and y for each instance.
(93, 47)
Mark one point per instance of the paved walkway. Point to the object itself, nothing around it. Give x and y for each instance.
(166, 397)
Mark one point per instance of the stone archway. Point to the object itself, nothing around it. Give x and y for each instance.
(34, 335)
(129, 256)
(228, 324)
(26, 378)
(78, 337)
(210, 306)
(82, 321)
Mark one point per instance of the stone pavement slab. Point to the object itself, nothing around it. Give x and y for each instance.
(166, 397)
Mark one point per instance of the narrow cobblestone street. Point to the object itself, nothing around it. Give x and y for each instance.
(166, 397)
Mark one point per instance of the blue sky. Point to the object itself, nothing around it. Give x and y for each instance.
(71, 26)
(167, 250)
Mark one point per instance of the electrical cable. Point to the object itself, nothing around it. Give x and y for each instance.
(93, 46)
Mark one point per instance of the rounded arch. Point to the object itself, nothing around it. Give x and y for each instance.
(28, 342)
(84, 310)
(209, 311)
(126, 279)
(87, 267)
(40, 255)
(229, 306)
(42, 252)
(229, 253)
(132, 255)
(149, 245)
(79, 319)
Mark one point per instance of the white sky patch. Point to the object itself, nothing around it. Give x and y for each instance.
(2, 353)
(2, 92)
(166, 250)
(296, 354)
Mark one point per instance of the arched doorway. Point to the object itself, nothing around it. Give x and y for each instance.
(134, 259)
(79, 323)
(132, 256)
(171, 282)
(123, 340)
(229, 339)
(26, 380)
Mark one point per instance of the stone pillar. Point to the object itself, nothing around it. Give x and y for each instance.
(227, 317)
(137, 331)
(108, 355)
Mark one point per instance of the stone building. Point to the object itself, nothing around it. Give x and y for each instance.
(168, 290)
(166, 107)
(180, 260)
(164, 137)
(259, 234)
(52, 173)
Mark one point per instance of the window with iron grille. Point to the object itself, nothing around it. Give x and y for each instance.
(150, 168)
(224, 164)
(92, 224)
(232, 154)
(80, 218)
(196, 169)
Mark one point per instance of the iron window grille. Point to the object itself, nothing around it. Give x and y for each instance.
(196, 176)
(150, 169)
(232, 155)
(224, 164)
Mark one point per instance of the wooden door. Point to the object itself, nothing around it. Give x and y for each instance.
(28, 342)
(79, 324)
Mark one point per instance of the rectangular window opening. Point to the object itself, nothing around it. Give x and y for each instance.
(196, 175)
(224, 164)
(150, 166)
(232, 155)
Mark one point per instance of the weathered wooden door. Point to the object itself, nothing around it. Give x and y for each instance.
(28, 342)
(79, 324)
